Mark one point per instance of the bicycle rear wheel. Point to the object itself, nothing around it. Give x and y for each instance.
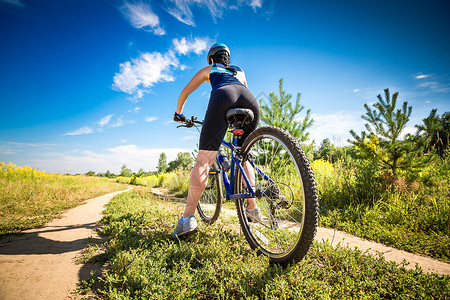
(286, 194)
(211, 200)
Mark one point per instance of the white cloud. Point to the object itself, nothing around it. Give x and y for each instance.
(141, 73)
(137, 96)
(118, 123)
(11, 148)
(6, 151)
(104, 121)
(144, 72)
(190, 137)
(135, 110)
(80, 131)
(434, 83)
(196, 45)
(335, 126)
(99, 126)
(32, 145)
(151, 119)
(429, 84)
(182, 12)
(112, 159)
(13, 2)
(356, 90)
(181, 9)
(406, 130)
(421, 76)
(256, 4)
(141, 16)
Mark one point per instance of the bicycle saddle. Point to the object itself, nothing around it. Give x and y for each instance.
(237, 117)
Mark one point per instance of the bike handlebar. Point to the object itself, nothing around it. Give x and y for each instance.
(190, 122)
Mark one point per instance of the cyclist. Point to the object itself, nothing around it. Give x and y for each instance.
(229, 90)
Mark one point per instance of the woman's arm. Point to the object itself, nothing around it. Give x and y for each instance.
(196, 81)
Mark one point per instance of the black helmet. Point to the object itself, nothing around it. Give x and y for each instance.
(216, 48)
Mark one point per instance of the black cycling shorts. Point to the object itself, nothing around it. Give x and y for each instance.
(215, 126)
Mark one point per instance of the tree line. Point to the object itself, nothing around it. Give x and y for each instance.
(184, 160)
(382, 142)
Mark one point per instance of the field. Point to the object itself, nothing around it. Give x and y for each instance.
(30, 198)
(217, 263)
(143, 262)
(356, 198)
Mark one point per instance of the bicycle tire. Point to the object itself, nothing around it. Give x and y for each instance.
(210, 202)
(289, 205)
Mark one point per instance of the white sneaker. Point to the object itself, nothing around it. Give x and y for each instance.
(254, 215)
(185, 228)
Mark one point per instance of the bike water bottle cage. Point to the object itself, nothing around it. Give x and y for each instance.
(238, 117)
(223, 160)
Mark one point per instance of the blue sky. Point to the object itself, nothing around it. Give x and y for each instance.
(92, 85)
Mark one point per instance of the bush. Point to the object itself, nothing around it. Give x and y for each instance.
(412, 216)
(178, 183)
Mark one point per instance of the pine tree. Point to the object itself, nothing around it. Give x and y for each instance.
(279, 111)
(162, 163)
(125, 172)
(385, 127)
(434, 134)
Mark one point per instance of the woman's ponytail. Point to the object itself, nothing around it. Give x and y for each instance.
(222, 57)
(231, 69)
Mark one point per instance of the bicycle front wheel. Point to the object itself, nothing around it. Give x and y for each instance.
(211, 200)
(286, 194)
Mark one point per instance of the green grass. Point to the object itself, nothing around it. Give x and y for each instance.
(217, 263)
(412, 216)
(30, 198)
(393, 224)
(177, 182)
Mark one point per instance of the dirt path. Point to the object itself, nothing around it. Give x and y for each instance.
(335, 237)
(40, 263)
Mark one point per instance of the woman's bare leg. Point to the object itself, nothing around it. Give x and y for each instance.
(199, 179)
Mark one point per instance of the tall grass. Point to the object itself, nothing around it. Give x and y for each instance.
(217, 263)
(414, 216)
(30, 198)
(357, 197)
(177, 182)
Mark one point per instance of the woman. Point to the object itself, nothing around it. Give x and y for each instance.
(229, 90)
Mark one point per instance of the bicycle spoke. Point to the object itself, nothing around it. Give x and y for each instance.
(211, 200)
(281, 196)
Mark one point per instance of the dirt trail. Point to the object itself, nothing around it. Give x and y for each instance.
(335, 237)
(40, 263)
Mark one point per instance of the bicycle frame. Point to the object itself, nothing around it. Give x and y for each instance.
(229, 183)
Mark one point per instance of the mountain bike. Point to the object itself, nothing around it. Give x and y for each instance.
(272, 168)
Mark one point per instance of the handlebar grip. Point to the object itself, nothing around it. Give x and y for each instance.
(190, 122)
